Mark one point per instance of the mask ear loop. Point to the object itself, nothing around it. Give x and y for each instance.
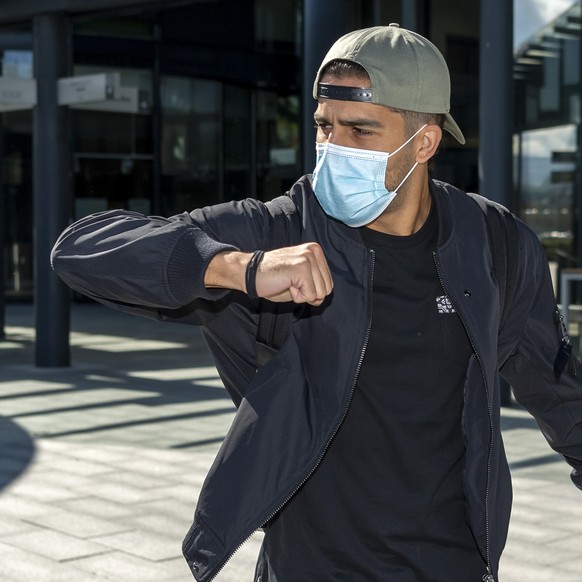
(323, 149)
(415, 163)
(405, 178)
(408, 141)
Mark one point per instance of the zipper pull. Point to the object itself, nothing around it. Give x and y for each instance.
(488, 578)
(564, 355)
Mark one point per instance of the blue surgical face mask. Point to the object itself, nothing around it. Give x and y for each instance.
(349, 183)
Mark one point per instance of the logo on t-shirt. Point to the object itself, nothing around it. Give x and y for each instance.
(444, 304)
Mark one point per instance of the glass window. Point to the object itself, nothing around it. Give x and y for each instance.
(113, 132)
(107, 182)
(18, 64)
(16, 195)
(548, 158)
(118, 27)
(550, 93)
(190, 143)
(237, 144)
(277, 24)
(16, 172)
(277, 143)
(114, 151)
(571, 60)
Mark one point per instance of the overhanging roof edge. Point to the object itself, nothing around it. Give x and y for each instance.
(21, 10)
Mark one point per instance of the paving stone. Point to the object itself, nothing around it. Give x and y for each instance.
(531, 573)
(144, 544)
(520, 551)
(124, 493)
(18, 565)
(170, 524)
(573, 564)
(99, 507)
(78, 524)
(57, 479)
(123, 477)
(125, 567)
(42, 492)
(11, 525)
(54, 545)
(20, 507)
(78, 466)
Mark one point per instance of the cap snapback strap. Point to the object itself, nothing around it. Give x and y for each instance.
(342, 93)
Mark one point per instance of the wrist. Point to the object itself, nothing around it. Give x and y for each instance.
(227, 270)
(251, 274)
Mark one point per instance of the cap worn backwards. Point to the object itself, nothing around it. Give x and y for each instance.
(406, 72)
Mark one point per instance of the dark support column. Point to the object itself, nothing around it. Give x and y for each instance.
(157, 206)
(52, 187)
(577, 193)
(2, 237)
(496, 110)
(324, 21)
(496, 100)
(409, 18)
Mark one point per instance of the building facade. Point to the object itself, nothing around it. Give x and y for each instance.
(222, 113)
(161, 107)
(547, 176)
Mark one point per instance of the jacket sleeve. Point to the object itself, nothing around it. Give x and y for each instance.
(533, 338)
(158, 263)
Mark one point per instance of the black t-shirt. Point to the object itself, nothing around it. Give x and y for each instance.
(386, 503)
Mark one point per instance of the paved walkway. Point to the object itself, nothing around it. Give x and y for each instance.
(101, 463)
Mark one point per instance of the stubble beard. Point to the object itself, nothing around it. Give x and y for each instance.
(395, 176)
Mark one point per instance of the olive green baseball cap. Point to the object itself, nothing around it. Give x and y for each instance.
(406, 72)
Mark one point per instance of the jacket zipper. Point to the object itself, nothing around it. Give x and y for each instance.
(345, 412)
(489, 576)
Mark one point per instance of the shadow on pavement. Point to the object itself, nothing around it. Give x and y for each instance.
(16, 451)
(128, 377)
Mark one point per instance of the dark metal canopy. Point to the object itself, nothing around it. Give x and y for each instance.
(19, 10)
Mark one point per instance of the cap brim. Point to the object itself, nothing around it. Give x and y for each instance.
(452, 127)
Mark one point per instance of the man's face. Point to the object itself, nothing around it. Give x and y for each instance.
(365, 126)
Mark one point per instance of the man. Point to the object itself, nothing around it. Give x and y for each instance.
(369, 446)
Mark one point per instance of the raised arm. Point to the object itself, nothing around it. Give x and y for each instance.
(166, 263)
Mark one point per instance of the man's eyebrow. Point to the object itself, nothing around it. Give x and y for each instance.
(358, 121)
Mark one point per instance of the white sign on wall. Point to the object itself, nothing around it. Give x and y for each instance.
(126, 100)
(88, 88)
(17, 94)
(99, 92)
(102, 92)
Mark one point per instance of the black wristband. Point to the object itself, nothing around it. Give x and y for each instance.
(251, 274)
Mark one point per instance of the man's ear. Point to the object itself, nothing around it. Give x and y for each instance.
(431, 138)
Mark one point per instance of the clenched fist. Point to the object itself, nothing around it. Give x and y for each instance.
(299, 274)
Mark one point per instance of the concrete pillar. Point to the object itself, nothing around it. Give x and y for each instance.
(52, 163)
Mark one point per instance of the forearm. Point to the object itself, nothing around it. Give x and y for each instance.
(135, 259)
(227, 270)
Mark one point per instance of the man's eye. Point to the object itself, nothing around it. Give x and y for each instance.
(360, 131)
(322, 126)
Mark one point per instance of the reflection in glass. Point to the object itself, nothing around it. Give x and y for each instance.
(278, 143)
(190, 132)
(548, 173)
(237, 143)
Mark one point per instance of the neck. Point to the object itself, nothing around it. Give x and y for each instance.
(408, 212)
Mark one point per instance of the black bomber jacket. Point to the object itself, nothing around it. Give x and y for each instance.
(289, 410)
